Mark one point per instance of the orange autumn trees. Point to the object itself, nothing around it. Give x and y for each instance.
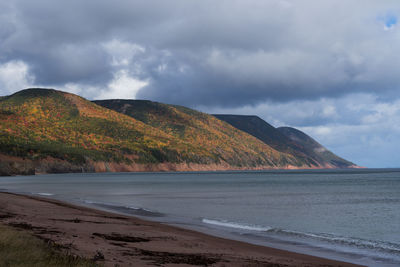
(40, 123)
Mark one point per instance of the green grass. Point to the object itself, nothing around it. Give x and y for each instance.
(20, 249)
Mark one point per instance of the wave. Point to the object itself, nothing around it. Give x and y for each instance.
(387, 247)
(126, 209)
(236, 225)
(379, 246)
(45, 194)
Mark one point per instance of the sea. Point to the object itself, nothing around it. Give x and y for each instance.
(350, 215)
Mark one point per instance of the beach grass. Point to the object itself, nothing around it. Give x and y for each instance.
(19, 248)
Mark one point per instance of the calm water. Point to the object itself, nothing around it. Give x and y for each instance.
(350, 215)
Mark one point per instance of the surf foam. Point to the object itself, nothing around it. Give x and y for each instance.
(235, 225)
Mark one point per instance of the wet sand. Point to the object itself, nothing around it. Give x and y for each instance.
(118, 240)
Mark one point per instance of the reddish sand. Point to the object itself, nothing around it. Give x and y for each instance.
(117, 240)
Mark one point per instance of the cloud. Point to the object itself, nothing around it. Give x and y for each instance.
(122, 52)
(216, 53)
(14, 74)
(122, 86)
(329, 67)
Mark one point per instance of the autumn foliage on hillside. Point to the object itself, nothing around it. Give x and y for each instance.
(206, 133)
(40, 123)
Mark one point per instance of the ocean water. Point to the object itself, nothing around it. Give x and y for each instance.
(350, 215)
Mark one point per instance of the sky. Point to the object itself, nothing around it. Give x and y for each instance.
(329, 68)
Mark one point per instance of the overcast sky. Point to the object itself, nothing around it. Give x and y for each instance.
(329, 68)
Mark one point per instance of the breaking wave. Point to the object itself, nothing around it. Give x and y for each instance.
(236, 225)
(384, 247)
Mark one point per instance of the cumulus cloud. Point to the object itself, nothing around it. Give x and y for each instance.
(14, 74)
(123, 86)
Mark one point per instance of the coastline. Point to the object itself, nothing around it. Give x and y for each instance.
(11, 166)
(126, 240)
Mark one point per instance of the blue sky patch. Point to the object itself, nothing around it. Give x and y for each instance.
(390, 21)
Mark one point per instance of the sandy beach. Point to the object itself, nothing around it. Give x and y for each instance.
(117, 240)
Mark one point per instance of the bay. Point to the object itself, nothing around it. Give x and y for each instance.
(351, 215)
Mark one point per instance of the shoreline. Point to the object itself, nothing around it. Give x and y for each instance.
(12, 166)
(125, 240)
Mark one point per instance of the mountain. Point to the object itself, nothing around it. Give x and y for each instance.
(318, 152)
(45, 130)
(194, 127)
(287, 140)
